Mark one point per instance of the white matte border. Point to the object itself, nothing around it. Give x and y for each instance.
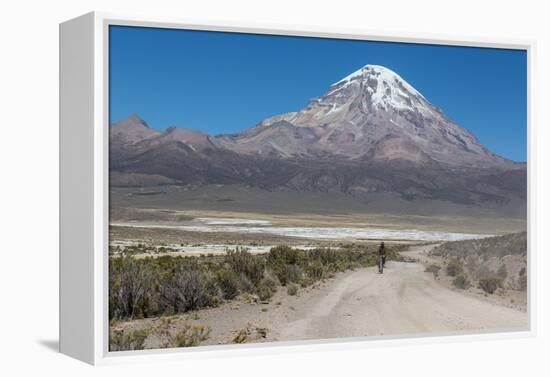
(101, 191)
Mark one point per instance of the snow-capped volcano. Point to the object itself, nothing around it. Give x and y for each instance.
(370, 114)
(386, 87)
(371, 135)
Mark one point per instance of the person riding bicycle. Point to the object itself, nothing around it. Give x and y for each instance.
(382, 253)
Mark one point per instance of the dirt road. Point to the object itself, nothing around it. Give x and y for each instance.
(403, 300)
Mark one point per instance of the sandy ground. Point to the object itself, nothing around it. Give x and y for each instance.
(403, 300)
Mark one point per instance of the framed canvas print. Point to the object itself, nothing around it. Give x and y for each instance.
(234, 189)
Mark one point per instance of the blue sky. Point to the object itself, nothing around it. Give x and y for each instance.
(225, 82)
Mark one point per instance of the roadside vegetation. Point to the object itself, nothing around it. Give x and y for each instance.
(434, 269)
(488, 263)
(168, 285)
(188, 335)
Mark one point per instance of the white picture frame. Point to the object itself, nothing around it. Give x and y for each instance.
(84, 190)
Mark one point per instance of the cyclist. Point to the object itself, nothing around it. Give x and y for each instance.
(382, 253)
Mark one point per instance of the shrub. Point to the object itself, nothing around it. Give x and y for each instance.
(328, 256)
(130, 287)
(472, 264)
(454, 267)
(241, 337)
(284, 262)
(270, 281)
(306, 282)
(522, 279)
(461, 281)
(242, 262)
(282, 255)
(245, 283)
(264, 290)
(434, 269)
(341, 266)
(482, 272)
(121, 340)
(490, 285)
(315, 271)
(190, 336)
(229, 283)
(288, 273)
(189, 289)
(502, 273)
(292, 289)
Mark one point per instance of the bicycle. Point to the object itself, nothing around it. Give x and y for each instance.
(381, 263)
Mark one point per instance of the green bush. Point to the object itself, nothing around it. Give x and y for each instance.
(228, 282)
(341, 266)
(288, 273)
(270, 281)
(283, 255)
(243, 262)
(490, 285)
(454, 267)
(284, 262)
(329, 256)
(241, 336)
(130, 288)
(434, 269)
(190, 336)
(306, 281)
(189, 289)
(264, 290)
(121, 340)
(461, 281)
(315, 271)
(245, 283)
(292, 289)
